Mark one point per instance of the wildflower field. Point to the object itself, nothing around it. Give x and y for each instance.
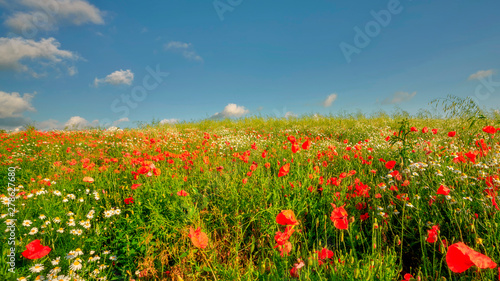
(254, 199)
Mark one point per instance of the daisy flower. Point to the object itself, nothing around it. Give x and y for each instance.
(37, 268)
(76, 265)
(56, 262)
(33, 231)
(27, 222)
(109, 213)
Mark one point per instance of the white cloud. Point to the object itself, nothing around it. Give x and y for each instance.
(124, 119)
(399, 97)
(169, 121)
(231, 110)
(185, 48)
(15, 50)
(76, 122)
(48, 14)
(14, 105)
(481, 74)
(72, 70)
(118, 77)
(329, 100)
(289, 114)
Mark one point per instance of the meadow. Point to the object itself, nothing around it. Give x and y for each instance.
(311, 198)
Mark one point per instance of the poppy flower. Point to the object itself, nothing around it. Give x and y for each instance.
(452, 134)
(286, 217)
(135, 186)
(413, 129)
(282, 237)
(434, 131)
(425, 130)
(364, 217)
(294, 272)
(443, 190)
(182, 193)
(324, 254)
(489, 129)
(432, 234)
(407, 277)
(306, 145)
(460, 258)
(198, 237)
(88, 179)
(339, 217)
(34, 250)
(285, 249)
(129, 200)
(284, 170)
(295, 147)
(390, 164)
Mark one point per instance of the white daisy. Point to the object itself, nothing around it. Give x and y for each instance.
(56, 262)
(76, 265)
(37, 268)
(33, 231)
(27, 222)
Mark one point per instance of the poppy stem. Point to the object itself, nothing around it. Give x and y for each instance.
(211, 269)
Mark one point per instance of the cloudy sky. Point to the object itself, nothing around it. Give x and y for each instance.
(79, 62)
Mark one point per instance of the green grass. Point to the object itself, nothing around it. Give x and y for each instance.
(151, 235)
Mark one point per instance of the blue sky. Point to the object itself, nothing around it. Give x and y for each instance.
(79, 62)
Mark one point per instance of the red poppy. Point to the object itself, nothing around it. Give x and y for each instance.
(135, 186)
(286, 217)
(452, 134)
(489, 129)
(129, 200)
(285, 249)
(295, 147)
(34, 250)
(284, 170)
(324, 254)
(88, 179)
(443, 190)
(425, 130)
(199, 238)
(460, 257)
(182, 193)
(282, 237)
(264, 154)
(364, 217)
(413, 129)
(432, 234)
(339, 217)
(390, 164)
(306, 145)
(434, 131)
(294, 272)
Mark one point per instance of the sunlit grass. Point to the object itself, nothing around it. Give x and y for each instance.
(233, 195)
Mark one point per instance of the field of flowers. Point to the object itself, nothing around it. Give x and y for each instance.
(253, 199)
